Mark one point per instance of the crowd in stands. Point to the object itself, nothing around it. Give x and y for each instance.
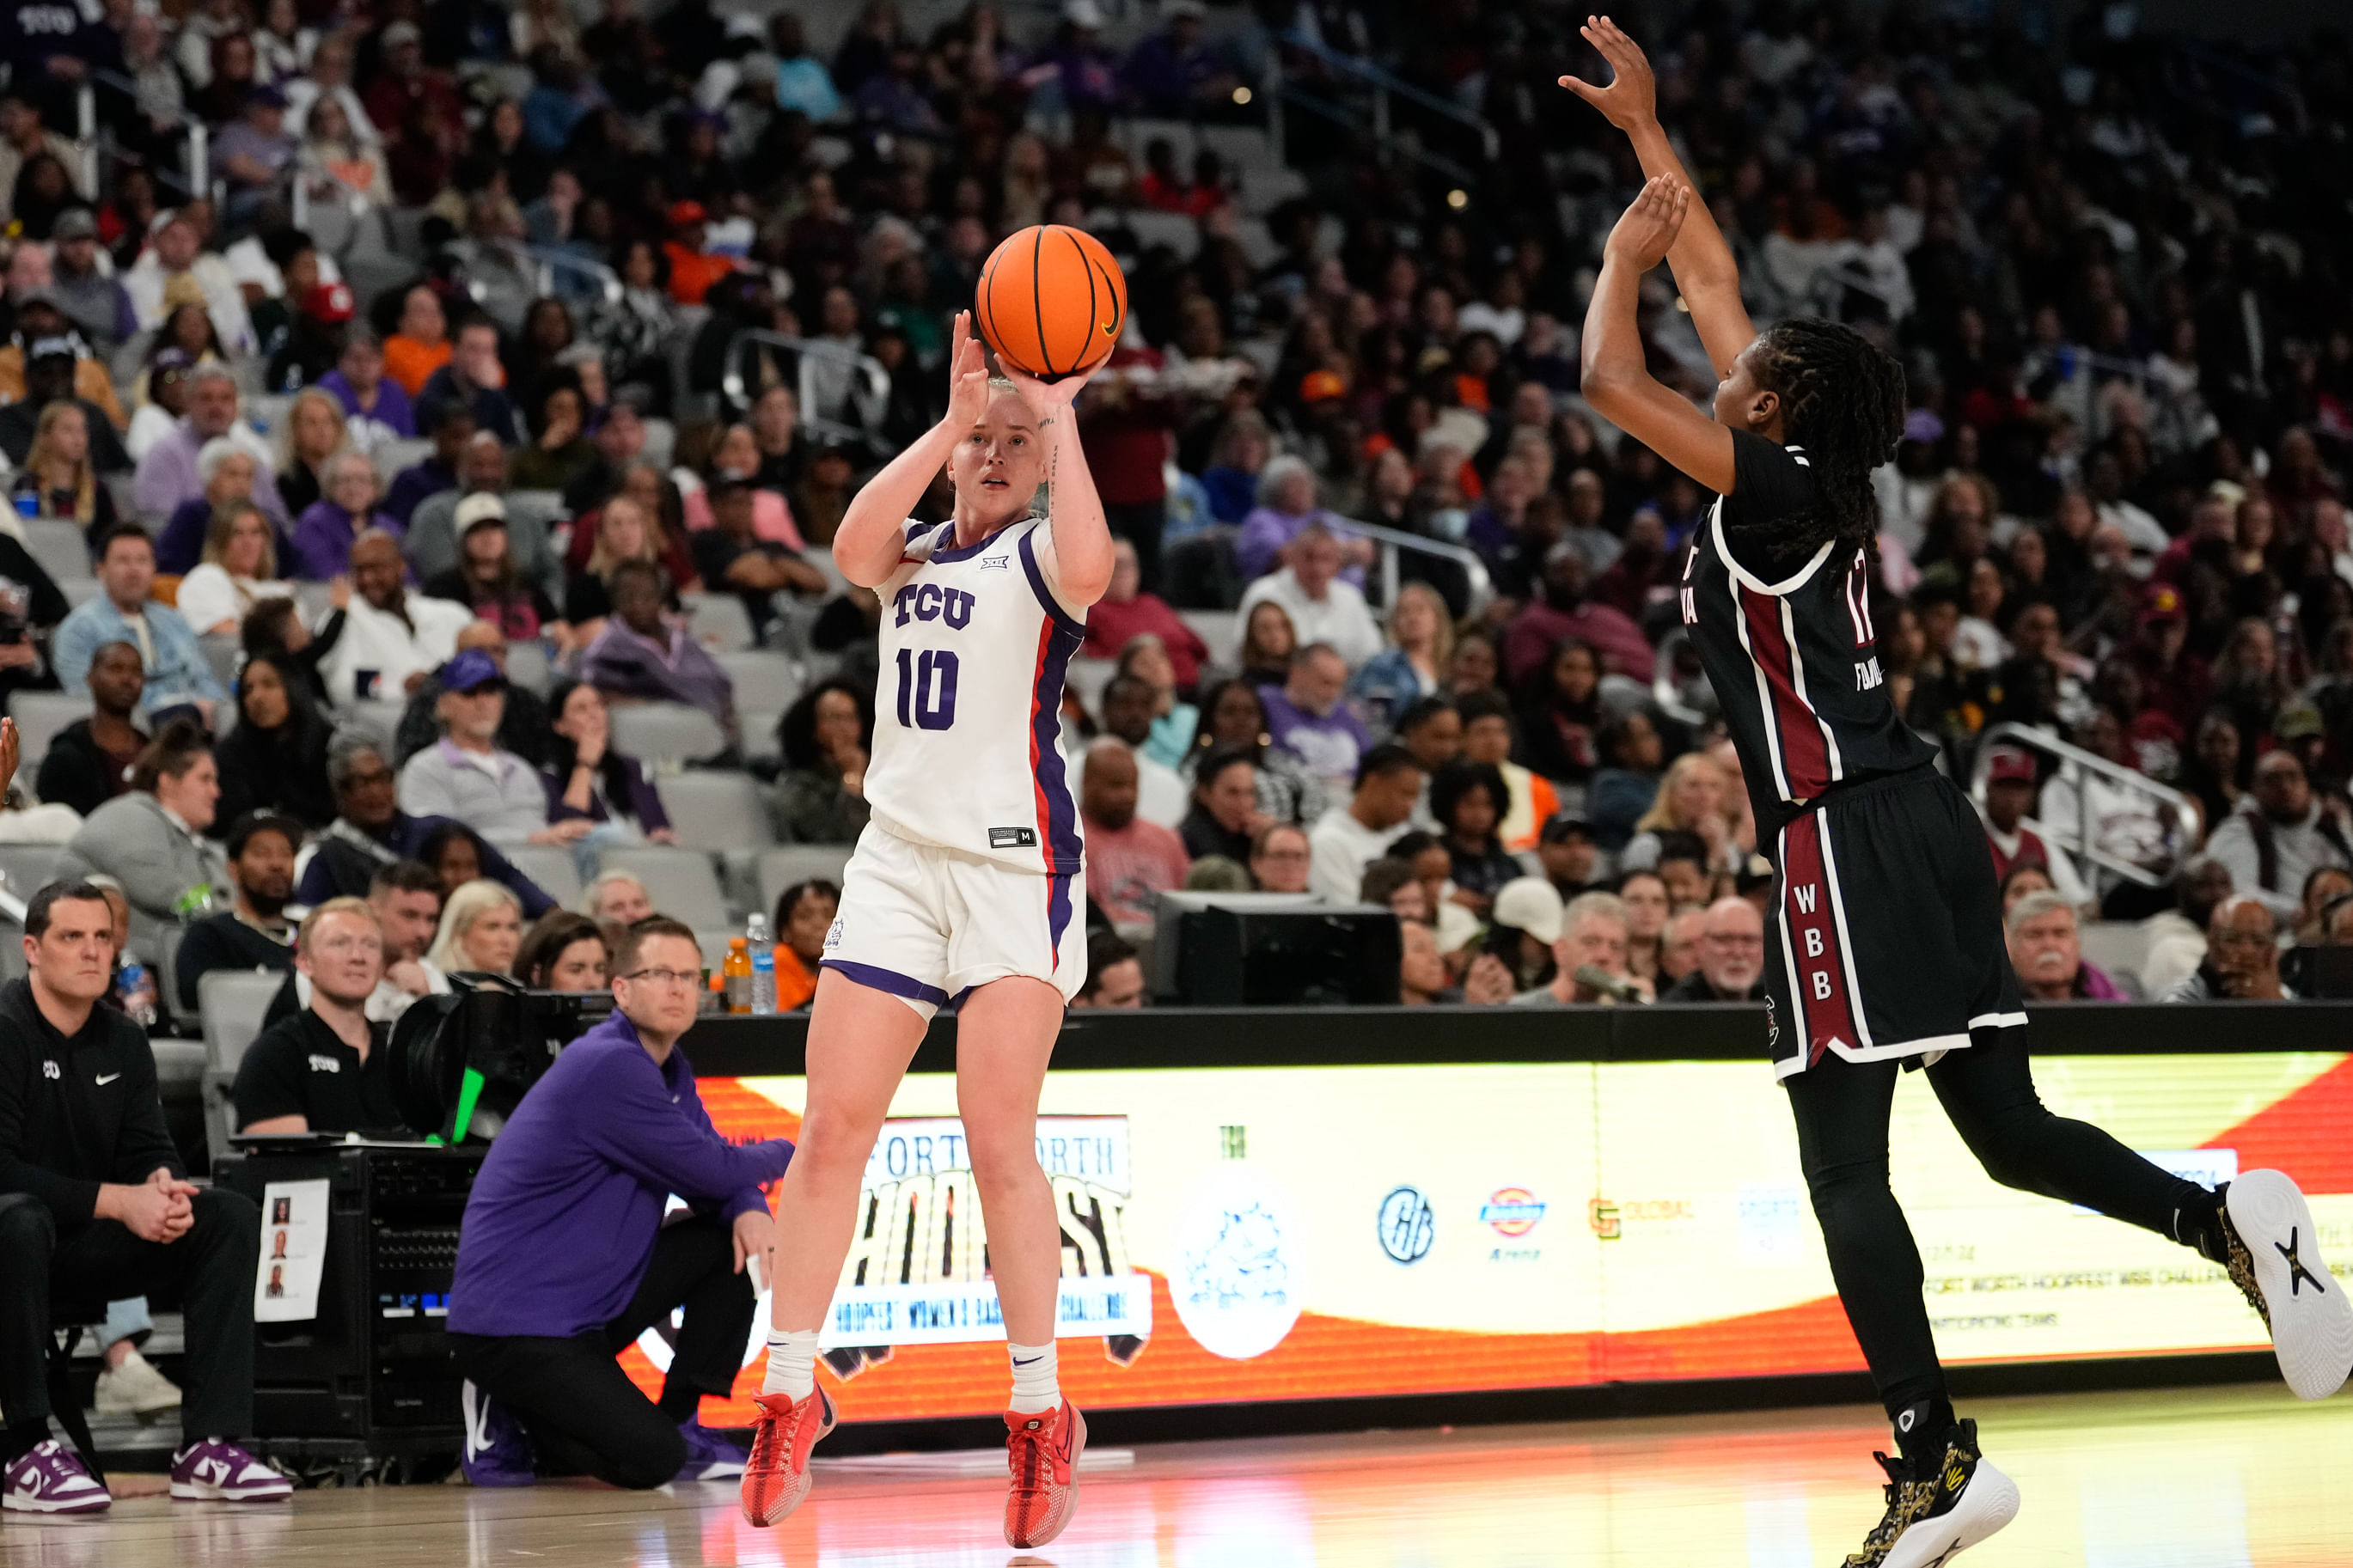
(358, 460)
(305, 470)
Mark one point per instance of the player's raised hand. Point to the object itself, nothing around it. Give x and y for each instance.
(1046, 397)
(1643, 237)
(967, 377)
(1631, 97)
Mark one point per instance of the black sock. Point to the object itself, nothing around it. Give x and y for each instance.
(680, 1399)
(2198, 1224)
(21, 1438)
(1922, 1429)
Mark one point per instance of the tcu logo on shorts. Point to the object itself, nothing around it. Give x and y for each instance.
(833, 934)
(930, 602)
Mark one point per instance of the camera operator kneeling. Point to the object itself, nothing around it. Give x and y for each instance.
(95, 1206)
(564, 1259)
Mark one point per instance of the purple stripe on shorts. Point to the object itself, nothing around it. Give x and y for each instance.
(875, 977)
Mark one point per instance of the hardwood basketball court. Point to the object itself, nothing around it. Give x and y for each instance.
(2230, 1478)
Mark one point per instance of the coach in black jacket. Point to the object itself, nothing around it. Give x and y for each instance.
(94, 1202)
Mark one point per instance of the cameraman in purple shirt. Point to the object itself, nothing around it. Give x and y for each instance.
(564, 1259)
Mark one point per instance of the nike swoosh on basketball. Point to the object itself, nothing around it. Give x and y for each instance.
(106, 1078)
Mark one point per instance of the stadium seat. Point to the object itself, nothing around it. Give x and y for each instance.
(392, 457)
(80, 591)
(528, 666)
(719, 621)
(40, 716)
(58, 548)
(549, 865)
(1221, 629)
(379, 716)
(314, 600)
(2117, 948)
(231, 1003)
(224, 655)
(1088, 677)
(720, 813)
(765, 682)
(25, 868)
(681, 882)
(782, 867)
(665, 735)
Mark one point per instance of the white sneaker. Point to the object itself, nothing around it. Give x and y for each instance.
(136, 1388)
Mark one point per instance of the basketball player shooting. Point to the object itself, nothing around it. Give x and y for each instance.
(1886, 950)
(965, 886)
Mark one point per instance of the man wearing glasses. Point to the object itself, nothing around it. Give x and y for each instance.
(564, 1259)
(1731, 957)
(325, 1068)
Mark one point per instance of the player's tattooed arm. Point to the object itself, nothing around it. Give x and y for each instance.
(1617, 378)
(1704, 271)
(1082, 551)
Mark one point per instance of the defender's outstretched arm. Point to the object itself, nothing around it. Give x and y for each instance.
(1705, 271)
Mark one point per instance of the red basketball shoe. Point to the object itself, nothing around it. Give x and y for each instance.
(1042, 1450)
(776, 1477)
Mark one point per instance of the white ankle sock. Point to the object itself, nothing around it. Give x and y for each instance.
(792, 1362)
(1036, 1386)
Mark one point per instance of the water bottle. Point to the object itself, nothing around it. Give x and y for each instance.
(28, 504)
(136, 988)
(764, 963)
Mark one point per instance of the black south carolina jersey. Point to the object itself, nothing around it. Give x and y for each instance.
(1789, 645)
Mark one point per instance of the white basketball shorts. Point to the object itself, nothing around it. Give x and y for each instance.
(928, 924)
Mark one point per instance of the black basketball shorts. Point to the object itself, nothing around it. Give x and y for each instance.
(1885, 939)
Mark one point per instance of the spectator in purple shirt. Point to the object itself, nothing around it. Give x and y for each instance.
(368, 394)
(564, 1259)
(415, 485)
(168, 475)
(323, 539)
(1175, 72)
(1286, 506)
(643, 656)
(1308, 720)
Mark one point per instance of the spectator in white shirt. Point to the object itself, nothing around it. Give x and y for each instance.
(239, 568)
(1323, 608)
(176, 248)
(391, 639)
(1349, 837)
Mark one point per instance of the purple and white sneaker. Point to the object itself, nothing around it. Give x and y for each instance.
(218, 1470)
(498, 1451)
(50, 1479)
(710, 1456)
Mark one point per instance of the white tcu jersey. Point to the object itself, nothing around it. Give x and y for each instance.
(967, 721)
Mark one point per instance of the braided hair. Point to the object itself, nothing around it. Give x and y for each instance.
(1843, 400)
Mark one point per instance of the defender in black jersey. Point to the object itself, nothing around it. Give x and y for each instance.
(1887, 946)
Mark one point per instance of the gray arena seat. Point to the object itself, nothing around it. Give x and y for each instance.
(527, 667)
(783, 867)
(765, 682)
(549, 865)
(665, 735)
(27, 868)
(231, 1003)
(40, 716)
(683, 882)
(59, 547)
(718, 812)
(719, 621)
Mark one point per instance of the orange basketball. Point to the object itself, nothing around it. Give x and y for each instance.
(1051, 301)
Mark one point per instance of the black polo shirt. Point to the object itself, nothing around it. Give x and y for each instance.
(301, 1066)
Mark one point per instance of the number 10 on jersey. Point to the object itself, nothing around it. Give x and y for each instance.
(927, 689)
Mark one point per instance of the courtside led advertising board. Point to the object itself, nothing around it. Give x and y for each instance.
(1309, 1233)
